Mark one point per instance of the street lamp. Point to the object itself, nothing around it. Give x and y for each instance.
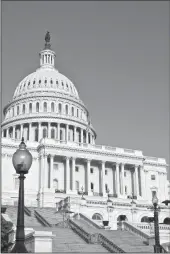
(157, 246)
(133, 207)
(109, 204)
(22, 160)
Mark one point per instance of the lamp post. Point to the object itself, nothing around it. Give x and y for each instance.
(22, 160)
(82, 201)
(157, 246)
(109, 205)
(133, 207)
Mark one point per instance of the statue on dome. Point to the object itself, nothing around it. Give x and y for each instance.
(47, 37)
(47, 40)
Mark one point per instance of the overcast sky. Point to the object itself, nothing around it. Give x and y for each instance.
(116, 54)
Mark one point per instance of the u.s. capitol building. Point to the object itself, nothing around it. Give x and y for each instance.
(47, 111)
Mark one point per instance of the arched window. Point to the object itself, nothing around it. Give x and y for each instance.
(92, 186)
(62, 85)
(145, 219)
(61, 135)
(66, 109)
(55, 184)
(17, 110)
(36, 134)
(59, 108)
(12, 111)
(106, 187)
(52, 133)
(44, 132)
(52, 106)
(72, 111)
(125, 189)
(167, 221)
(37, 107)
(97, 216)
(122, 218)
(30, 108)
(23, 109)
(77, 112)
(45, 106)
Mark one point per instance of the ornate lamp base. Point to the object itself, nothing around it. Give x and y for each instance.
(19, 247)
(157, 249)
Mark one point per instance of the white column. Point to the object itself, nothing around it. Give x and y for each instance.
(88, 177)
(73, 174)
(13, 135)
(136, 181)
(21, 131)
(122, 179)
(67, 132)
(41, 171)
(49, 130)
(142, 181)
(58, 131)
(117, 180)
(82, 136)
(67, 180)
(74, 133)
(45, 171)
(51, 171)
(87, 134)
(103, 177)
(7, 133)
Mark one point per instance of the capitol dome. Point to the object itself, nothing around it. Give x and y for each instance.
(47, 100)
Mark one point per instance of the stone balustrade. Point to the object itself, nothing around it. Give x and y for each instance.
(110, 246)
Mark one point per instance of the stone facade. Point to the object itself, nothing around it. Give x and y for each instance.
(47, 111)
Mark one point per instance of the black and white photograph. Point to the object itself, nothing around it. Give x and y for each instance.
(85, 127)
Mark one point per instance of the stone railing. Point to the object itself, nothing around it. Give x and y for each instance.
(27, 211)
(39, 241)
(41, 219)
(110, 246)
(148, 240)
(89, 221)
(150, 226)
(80, 231)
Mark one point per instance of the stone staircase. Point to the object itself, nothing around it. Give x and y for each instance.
(66, 240)
(126, 241)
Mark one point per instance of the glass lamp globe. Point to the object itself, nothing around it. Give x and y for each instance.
(22, 159)
(155, 200)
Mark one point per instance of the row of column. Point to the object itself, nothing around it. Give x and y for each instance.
(118, 177)
(85, 136)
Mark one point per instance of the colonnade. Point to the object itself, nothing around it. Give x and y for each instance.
(59, 131)
(69, 176)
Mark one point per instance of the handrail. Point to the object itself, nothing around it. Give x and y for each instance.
(89, 221)
(80, 231)
(41, 219)
(137, 231)
(110, 246)
(27, 211)
(163, 250)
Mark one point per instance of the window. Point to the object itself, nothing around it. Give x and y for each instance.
(72, 111)
(62, 85)
(77, 185)
(77, 169)
(52, 133)
(92, 186)
(125, 189)
(91, 170)
(17, 110)
(97, 216)
(23, 109)
(152, 177)
(77, 113)
(59, 108)
(52, 107)
(153, 193)
(44, 133)
(125, 174)
(37, 107)
(12, 111)
(45, 106)
(106, 172)
(30, 108)
(106, 187)
(4, 133)
(36, 134)
(66, 109)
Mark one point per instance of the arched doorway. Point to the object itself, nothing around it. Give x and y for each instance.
(97, 217)
(121, 217)
(145, 219)
(167, 221)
